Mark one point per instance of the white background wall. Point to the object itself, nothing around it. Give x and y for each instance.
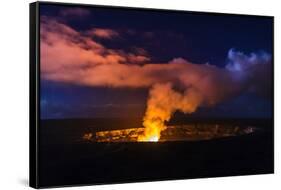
(14, 93)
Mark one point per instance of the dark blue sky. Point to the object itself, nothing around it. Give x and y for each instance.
(199, 38)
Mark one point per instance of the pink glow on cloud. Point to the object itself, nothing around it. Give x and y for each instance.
(72, 56)
(103, 33)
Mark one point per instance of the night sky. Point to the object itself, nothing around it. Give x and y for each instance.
(160, 37)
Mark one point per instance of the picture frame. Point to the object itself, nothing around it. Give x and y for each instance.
(132, 97)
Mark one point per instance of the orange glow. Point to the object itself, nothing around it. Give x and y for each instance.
(152, 130)
(153, 139)
(188, 132)
(162, 103)
(88, 136)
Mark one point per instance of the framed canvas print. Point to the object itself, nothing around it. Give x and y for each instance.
(122, 94)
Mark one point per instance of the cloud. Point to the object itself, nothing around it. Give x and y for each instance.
(255, 70)
(77, 12)
(70, 56)
(103, 33)
(238, 61)
(65, 50)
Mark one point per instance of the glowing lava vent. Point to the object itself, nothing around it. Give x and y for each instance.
(190, 132)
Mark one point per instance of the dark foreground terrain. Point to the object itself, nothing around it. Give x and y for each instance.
(64, 159)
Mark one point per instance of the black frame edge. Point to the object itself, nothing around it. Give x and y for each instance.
(33, 92)
(273, 97)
